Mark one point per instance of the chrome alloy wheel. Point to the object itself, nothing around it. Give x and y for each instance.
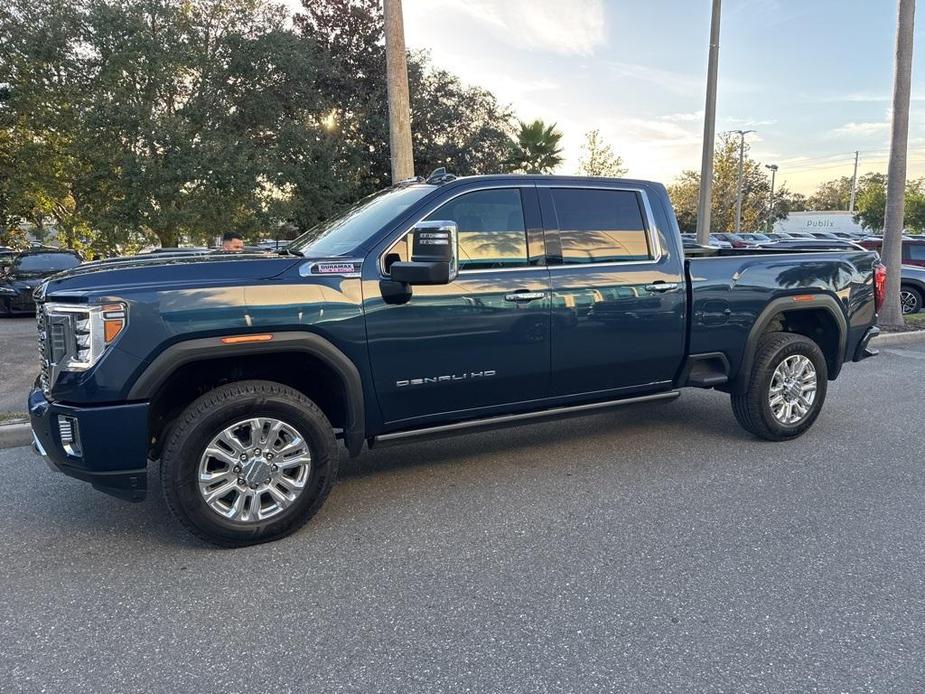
(793, 389)
(909, 301)
(254, 469)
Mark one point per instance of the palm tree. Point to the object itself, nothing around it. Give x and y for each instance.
(891, 315)
(537, 149)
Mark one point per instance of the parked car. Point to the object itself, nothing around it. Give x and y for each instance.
(690, 241)
(735, 240)
(912, 288)
(755, 238)
(6, 257)
(23, 272)
(425, 310)
(812, 245)
(179, 250)
(913, 249)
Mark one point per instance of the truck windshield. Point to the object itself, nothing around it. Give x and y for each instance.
(344, 233)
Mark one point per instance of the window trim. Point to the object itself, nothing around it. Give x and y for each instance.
(651, 229)
(520, 187)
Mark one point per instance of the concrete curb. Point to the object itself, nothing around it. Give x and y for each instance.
(15, 435)
(889, 339)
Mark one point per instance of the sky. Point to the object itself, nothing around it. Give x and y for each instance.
(813, 77)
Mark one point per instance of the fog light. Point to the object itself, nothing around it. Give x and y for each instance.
(69, 433)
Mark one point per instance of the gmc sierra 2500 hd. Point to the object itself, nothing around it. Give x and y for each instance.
(427, 309)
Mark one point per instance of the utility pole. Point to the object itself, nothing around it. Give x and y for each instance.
(396, 67)
(773, 168)
(741, 134)
(891, 314)
(709, 133)
(854, 183)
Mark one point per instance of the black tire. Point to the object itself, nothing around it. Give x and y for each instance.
(220, 408)
(912, 299)
(753, 409)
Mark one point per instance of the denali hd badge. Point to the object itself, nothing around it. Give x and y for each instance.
(451, 378)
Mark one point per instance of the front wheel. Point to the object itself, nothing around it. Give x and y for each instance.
(786, 388)
(248, 462)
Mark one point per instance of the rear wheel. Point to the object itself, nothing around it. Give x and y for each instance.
(911, 299)
(248, 462)
(786, 388)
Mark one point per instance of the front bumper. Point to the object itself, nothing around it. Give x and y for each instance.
(21, 301)
(109, 446)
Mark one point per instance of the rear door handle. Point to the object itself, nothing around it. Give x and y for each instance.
(524, 296)
(662, 287)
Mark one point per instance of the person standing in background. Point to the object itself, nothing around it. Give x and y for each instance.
(232, 241)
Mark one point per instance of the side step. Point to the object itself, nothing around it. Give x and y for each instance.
(508, 419)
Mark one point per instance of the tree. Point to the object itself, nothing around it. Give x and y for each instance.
(124, 122)
(832, 195)
(684, 192)
(891, 315)
(537, 149)
(598, 158)
(870, 204)
(463, 128)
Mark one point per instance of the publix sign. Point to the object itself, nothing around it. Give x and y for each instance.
(819, 221)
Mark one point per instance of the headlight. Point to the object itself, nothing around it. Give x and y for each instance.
(78, 335)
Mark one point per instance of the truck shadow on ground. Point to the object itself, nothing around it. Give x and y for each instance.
(535, 446)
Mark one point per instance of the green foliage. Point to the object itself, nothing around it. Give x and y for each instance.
(598, 158)
(871, 203)
(129, 121)
(537, 149)
(831, 195)
(756, 194)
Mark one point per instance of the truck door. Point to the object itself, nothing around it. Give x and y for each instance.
(481, 341)
(618, 299)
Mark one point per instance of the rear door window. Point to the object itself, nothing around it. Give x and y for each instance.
(914, 251)
(600, 226)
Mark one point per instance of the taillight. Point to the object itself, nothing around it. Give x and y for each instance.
(879, 286)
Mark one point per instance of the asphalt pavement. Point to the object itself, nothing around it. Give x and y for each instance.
(19, 361)
(656, 548)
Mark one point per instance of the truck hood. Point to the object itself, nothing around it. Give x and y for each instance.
(118, 274)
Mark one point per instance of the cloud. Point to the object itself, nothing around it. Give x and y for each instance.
(690, 117)
(669, 80)
(861, 129)
(575, 28)
(855, 98)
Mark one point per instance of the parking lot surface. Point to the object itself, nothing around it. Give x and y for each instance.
(655, 548)
(19, 361)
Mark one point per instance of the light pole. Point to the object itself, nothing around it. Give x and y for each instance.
(854, 183)
(773, 169)
(741, 134)
(709, 133)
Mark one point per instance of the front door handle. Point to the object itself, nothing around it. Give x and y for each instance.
(524, 296)
(662, 287)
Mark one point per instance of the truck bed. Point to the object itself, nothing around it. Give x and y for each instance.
(729, 291)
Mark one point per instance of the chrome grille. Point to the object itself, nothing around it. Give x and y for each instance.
(42, 323)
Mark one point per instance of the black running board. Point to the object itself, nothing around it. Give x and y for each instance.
(508, 419)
